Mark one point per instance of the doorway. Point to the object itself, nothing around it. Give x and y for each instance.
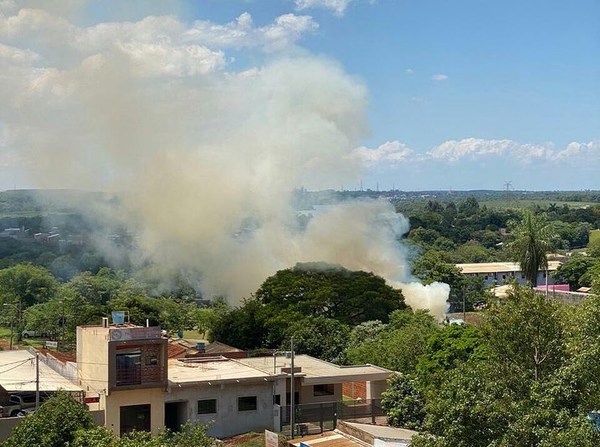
(175, 415)
(135, 417)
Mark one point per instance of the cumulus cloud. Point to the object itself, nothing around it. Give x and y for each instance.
(439, 77)
(338, 7)
(241, 33)
(388, 152)
(479, 150)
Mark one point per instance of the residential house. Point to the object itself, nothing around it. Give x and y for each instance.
(125, 368)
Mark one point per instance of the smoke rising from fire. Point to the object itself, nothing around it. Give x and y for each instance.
(209, 154)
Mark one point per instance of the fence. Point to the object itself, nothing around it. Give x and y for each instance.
(317, 418)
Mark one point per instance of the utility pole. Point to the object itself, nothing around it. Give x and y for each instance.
(292, 400)
(37, 380)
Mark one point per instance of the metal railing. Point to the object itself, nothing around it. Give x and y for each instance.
(320, 417)
(139, 375)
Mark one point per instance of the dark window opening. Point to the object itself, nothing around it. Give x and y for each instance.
(277, 399)
(129, 370)
(247, 403)
(207, 406)
(135, 417)
(324, 390)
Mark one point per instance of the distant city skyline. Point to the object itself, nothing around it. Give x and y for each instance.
(455, 95)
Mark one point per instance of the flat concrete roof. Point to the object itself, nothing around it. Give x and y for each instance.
(315, 371)
(213, 370)
(498, 267)
(17, 373)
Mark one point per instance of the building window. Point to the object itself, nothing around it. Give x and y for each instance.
(207, 406)
(247, 403)
(129, 368)
(324, 390)
(277, 399)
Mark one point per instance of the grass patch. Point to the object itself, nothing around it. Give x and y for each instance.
(5, 332)
(594, 236)
(193, 335)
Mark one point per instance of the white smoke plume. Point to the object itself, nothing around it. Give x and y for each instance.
(157, 108)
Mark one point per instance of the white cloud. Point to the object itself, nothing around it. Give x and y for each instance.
(241, 33)
(338, 7)
(409, 71)
(590, 150)
(439, 77)
(474, 149)
(388, 152)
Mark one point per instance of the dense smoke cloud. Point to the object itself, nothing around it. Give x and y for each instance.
(156, 108)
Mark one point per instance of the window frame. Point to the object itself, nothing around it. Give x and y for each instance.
(214, 403)
(250, 401)
(325, 389)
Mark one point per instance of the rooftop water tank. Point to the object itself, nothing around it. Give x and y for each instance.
(118, 317)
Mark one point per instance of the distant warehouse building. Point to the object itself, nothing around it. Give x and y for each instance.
(498, 273)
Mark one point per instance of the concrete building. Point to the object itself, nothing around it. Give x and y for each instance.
(499, 273)
(125, 371)
(318, 381)
(228, 395)
(125, 368)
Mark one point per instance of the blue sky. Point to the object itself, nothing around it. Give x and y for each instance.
(464, 94)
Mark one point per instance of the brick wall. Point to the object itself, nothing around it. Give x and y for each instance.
(355, 390)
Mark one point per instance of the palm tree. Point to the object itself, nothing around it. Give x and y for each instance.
(532, 242)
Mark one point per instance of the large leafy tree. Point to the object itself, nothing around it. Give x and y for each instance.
(26, 284)
(399, 345)
(532, 240)
(573, 269)
(403, 402)
(54, 424)
(320, 337)
(331, 291)
(525, 334)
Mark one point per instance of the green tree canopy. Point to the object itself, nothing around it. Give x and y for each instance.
(319, 337)
(403, 402)
(54, 424)
(315, 289)
(26, 284)
(399, 345)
